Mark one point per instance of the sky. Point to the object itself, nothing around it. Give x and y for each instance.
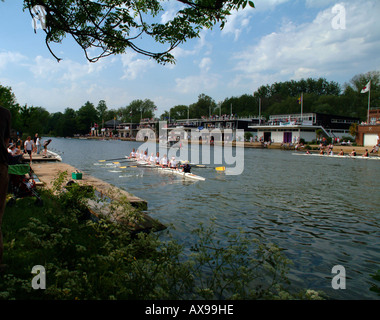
(279, 40)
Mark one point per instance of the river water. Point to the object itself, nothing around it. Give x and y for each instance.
(323, 212)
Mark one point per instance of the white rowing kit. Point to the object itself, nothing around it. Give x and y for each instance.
(337, 156)
(165, 169)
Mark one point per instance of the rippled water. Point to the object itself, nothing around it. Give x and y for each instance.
(323, 212)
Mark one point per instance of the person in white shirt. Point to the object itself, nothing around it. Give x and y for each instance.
(28, 147)
(164, 161)
(151, 158)
(157, 158)
(38, 145)
(173, 163)
(133, 154)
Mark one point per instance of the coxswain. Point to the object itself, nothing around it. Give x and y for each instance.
(186, 167)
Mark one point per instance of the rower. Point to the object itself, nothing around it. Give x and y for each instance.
(152, 158)
(353, 153)
(341, 153)
(164, 161)
(133, 153)
(173, 163)
(157, 158)
(366, 153)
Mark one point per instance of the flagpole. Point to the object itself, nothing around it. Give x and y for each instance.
(369, 102)
(301, 107)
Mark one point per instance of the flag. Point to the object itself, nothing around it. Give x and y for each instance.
(299, 100)
(366, 88)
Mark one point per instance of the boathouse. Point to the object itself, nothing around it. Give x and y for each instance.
(369, 133)
(290, 128)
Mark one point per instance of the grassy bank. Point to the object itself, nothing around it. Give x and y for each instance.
(87, 259)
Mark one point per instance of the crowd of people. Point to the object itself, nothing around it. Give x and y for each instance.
(163, 161)
(16, 148)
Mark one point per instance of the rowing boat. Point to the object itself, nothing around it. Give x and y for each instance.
(188, 175)
(337, 156)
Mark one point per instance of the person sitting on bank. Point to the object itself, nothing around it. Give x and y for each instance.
(14, 155)
(375, 149)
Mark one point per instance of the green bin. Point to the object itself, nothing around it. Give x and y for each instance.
(76, 175)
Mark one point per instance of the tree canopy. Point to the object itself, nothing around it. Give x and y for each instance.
(319, 95)
(114, 26)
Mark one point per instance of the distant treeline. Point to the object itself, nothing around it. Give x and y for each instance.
(319, 95)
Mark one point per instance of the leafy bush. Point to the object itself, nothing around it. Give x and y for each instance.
(101, 259)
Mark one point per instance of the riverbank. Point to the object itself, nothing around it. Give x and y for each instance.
(48, 172)
(346, 149)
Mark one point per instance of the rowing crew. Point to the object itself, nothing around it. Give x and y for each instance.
(341, 153)
(156, 160)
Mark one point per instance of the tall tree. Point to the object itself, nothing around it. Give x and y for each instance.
(203, 107)
(138, 109)
(86, 117)
(179, 112)
(8, 101)
(101, 109)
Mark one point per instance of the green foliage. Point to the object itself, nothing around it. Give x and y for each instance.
(114, 26)
(101, 259)
(203, 107)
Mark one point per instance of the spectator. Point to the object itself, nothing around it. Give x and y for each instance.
(5, 134)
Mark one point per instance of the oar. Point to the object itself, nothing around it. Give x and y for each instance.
(203, 166)
(111, 159)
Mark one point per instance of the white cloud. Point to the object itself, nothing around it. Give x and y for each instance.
(196, 84)
(9, 58)
(237, 22)
(315, 49)
(134, 67)
(63, 71)
(205, 64)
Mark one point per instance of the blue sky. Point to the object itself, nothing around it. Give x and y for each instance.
(277, 41)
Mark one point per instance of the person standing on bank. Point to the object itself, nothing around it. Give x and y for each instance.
(29, 147)
(38, 144)
(5, 134)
